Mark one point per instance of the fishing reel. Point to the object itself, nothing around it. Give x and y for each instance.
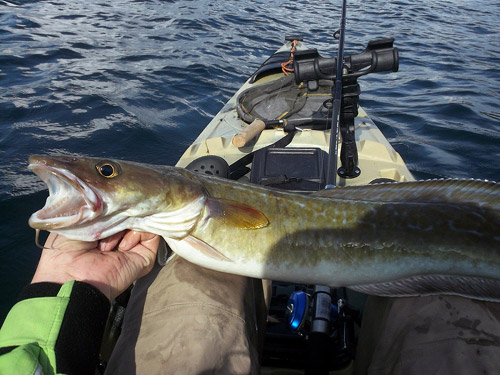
(304, 308)
(327, 323)
(379, 56)
(316, 310)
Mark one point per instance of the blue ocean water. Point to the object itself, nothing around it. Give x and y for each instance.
(139, 80)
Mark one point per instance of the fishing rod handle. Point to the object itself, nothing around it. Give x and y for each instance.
(252, 130)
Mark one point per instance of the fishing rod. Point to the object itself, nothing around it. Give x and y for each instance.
(331, 174)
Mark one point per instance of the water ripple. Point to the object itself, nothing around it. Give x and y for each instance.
(140, 79)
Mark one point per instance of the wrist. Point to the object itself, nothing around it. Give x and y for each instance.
(62, 278)
(50, 277)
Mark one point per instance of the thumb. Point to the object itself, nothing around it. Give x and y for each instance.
(143, 244)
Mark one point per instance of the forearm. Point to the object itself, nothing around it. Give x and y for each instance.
(60, 326)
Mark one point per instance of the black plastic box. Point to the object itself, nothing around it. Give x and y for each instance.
(294, 169)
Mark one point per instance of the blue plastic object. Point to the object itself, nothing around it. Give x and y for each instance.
(297, 308)
(334, 313)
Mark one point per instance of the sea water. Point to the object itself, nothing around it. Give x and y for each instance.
(139, 80)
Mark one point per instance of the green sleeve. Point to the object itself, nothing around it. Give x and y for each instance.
(54, 334)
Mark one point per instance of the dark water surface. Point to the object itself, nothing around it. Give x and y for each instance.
(139, 80)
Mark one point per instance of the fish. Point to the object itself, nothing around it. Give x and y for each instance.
(392, 239)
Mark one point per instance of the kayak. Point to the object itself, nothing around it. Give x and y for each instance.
(275, 131)
(377, 158)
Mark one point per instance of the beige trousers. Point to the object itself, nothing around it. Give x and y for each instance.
(184, 319)
(443, 335)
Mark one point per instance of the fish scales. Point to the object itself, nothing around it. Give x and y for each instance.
(415, 238)
(323, 232)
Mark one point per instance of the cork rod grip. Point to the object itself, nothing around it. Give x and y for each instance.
(256, 127)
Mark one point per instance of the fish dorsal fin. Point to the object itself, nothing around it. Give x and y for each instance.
(466, 286)
(485, 194)
(235, 214)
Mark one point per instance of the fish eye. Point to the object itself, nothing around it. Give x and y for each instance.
(107, 169)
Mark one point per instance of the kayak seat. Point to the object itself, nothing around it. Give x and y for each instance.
(211, 165)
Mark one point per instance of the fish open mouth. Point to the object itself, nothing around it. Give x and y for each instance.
(71, 201)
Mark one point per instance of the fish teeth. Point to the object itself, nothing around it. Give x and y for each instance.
(70, 200)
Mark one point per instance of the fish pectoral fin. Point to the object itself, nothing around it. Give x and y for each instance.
(205, 248)
(236, 214)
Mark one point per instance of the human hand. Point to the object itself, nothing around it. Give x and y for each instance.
(111, 264)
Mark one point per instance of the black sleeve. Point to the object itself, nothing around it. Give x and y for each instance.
(77, 346)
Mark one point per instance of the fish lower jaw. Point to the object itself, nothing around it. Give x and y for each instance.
(47, 219)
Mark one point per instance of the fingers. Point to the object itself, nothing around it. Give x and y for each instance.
(109, 243)
(145, 245)
(58, 242)
(132, 238)
(124, 241)
(129, 240)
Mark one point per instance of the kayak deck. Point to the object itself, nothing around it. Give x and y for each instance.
(377, 158)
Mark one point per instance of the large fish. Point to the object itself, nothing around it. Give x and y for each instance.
(415, 238)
